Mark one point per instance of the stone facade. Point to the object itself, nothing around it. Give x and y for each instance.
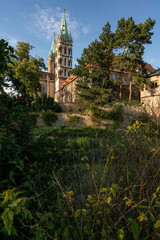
(150, 96)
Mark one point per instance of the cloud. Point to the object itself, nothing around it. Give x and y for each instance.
(45, 21)
(12, 40)
(85, 30)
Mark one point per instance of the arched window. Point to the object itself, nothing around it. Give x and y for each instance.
(65, 61)
(65, 50)
(64, 72)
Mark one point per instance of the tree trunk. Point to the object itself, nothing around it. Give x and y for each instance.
(120, 91)
(130, 90)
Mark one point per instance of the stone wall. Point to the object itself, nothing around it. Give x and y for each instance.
(129, 115)
(150, 98)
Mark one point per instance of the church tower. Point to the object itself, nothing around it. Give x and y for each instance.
(63, 54)
(51, 57)
(60, 55)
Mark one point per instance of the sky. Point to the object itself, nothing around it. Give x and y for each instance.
(34, 21)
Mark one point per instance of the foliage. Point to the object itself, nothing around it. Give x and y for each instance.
(26, 71)
(98, 114)
(122, 50)
(45, 103)
(131, 39)
(78, 183)
(94, 85)
(73, 119)
(11, 207)
(48, 117)
(6, 56)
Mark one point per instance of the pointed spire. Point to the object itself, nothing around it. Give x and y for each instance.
(63, 29)
(69, 35)
(52, 51)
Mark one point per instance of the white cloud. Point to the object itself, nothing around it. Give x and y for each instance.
(85, 30)
(45, 21)
(12, 40)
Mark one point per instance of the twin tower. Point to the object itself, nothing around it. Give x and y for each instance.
(60, 55)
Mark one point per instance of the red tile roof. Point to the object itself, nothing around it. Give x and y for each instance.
(68, 80)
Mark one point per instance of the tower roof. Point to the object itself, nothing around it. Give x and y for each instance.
(63, 29)
(52, 51)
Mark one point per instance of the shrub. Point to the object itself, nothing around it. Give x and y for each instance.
(98, 114)
(48, 117)
(73, 119)
(45, 103)
(115, 114)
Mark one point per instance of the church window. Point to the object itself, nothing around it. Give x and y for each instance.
(68, 51)
(64, 72)
(68, 74)
(65, 50)
(65, 61)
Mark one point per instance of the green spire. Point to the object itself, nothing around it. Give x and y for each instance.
(52, 51)
(63, 29)
(70, 36)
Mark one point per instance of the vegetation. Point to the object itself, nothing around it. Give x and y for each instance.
(6, 56)
(73, 119)
(48, 117)
(77, 183)
(26, 71)
(45, 103)
(123, 50)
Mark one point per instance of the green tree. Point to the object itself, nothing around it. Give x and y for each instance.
(131, 39)
(94, 86)
(26, 71)
(6, 56)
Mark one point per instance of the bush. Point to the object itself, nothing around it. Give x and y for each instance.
(98, 114)
(115, 114)
(73, 119)
(45, 103)
(48, 117)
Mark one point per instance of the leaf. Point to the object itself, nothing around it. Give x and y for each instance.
(15, 203)
(120, 234)
(135, 230)
(142, 217)
(77, 213)
(84, 212)
(39, 235)
(66, 233)
(104, 233)
(157, 224)
(7, 217)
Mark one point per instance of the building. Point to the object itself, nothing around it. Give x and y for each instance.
(60, 85)
(59, 61)
(150, 96)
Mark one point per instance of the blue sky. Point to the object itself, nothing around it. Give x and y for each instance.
(34, 21)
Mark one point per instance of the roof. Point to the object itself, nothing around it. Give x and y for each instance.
(156, 72)
(63, 29)
(73, 77)
(53, 50)
(150, 68)
(67, 81)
